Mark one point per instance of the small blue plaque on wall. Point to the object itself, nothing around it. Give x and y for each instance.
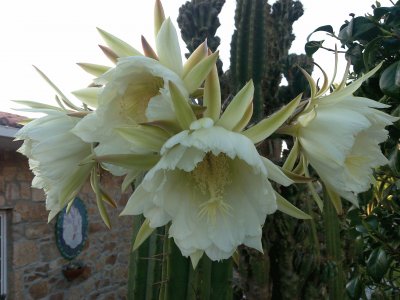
(71, 229)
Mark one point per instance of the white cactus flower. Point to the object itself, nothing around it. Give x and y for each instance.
(339, 134)
(213, 186)
(54, 154)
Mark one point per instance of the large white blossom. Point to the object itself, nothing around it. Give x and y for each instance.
(136, 91)
(339, 134)
(213, 186)
(55, 154)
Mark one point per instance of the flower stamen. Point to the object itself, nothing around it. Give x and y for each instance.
(211, 176)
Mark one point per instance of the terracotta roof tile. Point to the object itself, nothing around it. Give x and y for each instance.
(11, 120)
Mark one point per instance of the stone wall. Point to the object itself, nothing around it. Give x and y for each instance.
(34, 262)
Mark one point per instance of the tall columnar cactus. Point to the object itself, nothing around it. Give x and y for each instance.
(280, 37)
(260, 47)
(249, 49)
(158, 271)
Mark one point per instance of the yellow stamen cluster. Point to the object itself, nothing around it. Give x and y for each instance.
(211, 176)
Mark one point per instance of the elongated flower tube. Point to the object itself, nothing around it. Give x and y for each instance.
(54, 154)
(339, 135)
(211, 183)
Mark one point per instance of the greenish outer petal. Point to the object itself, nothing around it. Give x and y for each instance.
(168, 49)
(268, 126)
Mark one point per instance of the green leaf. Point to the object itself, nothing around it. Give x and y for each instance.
(371, 51)
(379, 12)
(354, 288)
(377, 264)
(358, 28)
(288, 208)
(325, 28)
(312, 47)
(389, 82)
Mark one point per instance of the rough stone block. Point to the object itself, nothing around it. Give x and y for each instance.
(39, 290)
(25, 252)
(37, 230)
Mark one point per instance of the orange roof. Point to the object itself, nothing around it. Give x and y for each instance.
(10, 120)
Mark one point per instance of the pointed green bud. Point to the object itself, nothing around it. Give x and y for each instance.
(183, 111)
(288, 208)
(268, 126)
(93, 69)
(159, 17)
(199, 72)
(212, 95)
(117, 45)
(198, 55)
(237, 108)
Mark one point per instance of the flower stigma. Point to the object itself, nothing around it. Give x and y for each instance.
(211, 176)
